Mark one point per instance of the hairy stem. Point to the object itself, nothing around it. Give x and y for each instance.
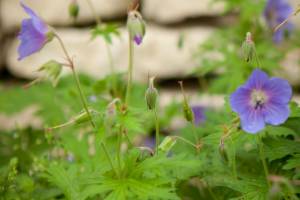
(186, 141)
(130, 67)
(234, 171)
(263, 159)
(82, 97)
(109, 159)
(156, 130)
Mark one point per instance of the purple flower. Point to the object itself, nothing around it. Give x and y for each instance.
(138, 39)
(276, 11)
(261, 100)
(199, 115)
(34, 34)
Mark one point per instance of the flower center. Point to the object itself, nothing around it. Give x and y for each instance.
(258, 98)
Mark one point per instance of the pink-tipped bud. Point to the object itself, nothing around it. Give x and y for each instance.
(248, 48)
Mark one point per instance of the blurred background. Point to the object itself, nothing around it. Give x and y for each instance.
(196, 40)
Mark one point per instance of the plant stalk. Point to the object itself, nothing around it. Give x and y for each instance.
(263, 159)
(156, 130)
(82, 98)
(130, 68)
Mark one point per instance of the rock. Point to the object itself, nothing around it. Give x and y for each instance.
(158, 55)
(55, 12)
(295, 19)
(291, 67)
(172, 11)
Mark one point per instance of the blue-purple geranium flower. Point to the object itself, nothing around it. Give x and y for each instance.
(199, 116)
(261, 100)
(34, 34)
(276, 11)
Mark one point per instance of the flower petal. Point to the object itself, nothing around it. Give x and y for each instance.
(278, 90)
(37, 21)
(257, 79)
(138, 39)
(240, 100)
(276, 114)
(199, 116)
(31, 40)
(252, 121)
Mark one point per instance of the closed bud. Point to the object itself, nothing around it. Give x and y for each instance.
(136, 26)
(52, 70)
(151, 95)
(187, 110)
(248, 48)
(74, 9)
(167, 144)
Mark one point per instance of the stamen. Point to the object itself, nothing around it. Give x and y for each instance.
(258, 99)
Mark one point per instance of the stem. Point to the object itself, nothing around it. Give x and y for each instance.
(156, 130)
(82, 98)
(108, 50)
(96, 16)
(71, 64)
(186, 141)
(262, 158)
(130, 67)
(257, 59)
(234, 160)
(108, 158)
(119, 148)
(195, 133)
(112, 68)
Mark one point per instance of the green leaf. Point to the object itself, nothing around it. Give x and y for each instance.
(107, 31)
(293, 162)
(279, 148)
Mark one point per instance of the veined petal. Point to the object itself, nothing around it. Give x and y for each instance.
(276, 114)
(31, 40)
(278, 90)
(257, 79)
(252, 121)
(36, 20)
(240, 100)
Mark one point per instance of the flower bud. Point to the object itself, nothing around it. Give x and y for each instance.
(188, 112)
(74, 9)
(52, 70)
(136, 26)
(167, 144)
(248, 48)
(151, 95)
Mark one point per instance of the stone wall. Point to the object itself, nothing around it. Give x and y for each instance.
(158, 55)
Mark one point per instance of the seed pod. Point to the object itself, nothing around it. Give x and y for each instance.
(167, 144)
(187, 110)
(74, 9)
(151, 95)
(136, 26)
(82, 117)
(248, 48)
(52, 70)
